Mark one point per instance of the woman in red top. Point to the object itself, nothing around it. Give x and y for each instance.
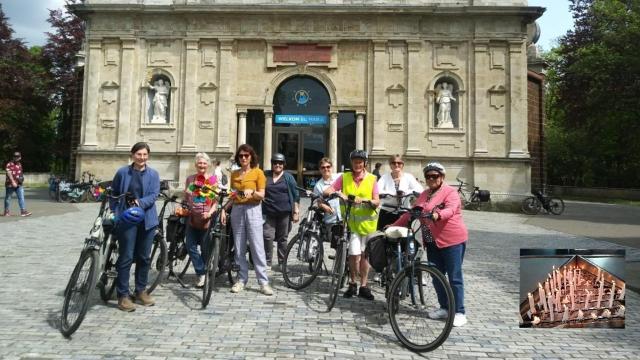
(446, 239)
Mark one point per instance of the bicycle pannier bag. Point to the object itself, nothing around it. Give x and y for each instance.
(484, 195)
(376, 252)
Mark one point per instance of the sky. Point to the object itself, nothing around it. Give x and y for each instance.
(28, 18)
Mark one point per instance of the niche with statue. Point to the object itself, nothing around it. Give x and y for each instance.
(446, 103)
(159, 100)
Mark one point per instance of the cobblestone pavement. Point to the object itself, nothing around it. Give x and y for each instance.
(38, 256)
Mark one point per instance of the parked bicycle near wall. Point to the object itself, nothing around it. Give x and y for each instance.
(533, 204)
(78, 191)
(472, 199)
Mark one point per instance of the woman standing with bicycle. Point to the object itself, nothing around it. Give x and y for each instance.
(446, 239)
(135, 230)
(249, 184)
(394, 183)
(201, 198)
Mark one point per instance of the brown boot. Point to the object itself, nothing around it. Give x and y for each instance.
(125, 304)
(145, 299)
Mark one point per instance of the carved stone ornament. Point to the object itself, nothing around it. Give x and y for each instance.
(497, 95)
(208, 93)
(110, 91)
(446, 56)
(395, 93)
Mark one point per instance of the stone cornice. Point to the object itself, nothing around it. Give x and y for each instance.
(529, 12)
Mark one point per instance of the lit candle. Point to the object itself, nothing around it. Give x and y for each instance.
(558, 303)
(553, 273)
(613, 293)
(565, 316)
(573, 300)
(597, 277)
(600, 290)
(550, 301)
(531, 305)
(586, 302)
(541, 295)
(546, 287)
(621, 297)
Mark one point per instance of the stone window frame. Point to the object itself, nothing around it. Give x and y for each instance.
(461, 99)
(145, 101)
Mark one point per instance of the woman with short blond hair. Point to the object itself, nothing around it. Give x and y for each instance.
(392, 183)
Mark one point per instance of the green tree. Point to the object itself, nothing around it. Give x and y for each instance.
(593, 97)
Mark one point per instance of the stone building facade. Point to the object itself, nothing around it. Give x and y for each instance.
(429, 79)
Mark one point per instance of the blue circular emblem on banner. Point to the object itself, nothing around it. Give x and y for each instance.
(302, 97)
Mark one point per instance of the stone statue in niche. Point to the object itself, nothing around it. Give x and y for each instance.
(444, 97)
(160, 102)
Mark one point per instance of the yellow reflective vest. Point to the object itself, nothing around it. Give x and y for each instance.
(363, 220)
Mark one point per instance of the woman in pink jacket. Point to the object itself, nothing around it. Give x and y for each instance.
(446, 239)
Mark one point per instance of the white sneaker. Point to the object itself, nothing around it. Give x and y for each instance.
(438, 314)
(200, 282)
(460, 319)
(237, 287)
(266, 290)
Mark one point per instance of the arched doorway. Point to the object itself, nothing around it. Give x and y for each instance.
(300, 125)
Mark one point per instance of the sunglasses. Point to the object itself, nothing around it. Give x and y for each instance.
(244, 155)
(277, 163)
(397, 163)
(431, 177)
(325, 167)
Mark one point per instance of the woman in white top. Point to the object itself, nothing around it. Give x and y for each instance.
(392, 182)
(332, 211)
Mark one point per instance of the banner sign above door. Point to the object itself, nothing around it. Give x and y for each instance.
(302, 119)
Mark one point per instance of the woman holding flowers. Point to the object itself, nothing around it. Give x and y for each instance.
(201, 196)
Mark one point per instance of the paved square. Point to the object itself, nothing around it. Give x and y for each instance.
(39, 253)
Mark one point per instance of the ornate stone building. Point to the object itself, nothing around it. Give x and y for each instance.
(429, 79)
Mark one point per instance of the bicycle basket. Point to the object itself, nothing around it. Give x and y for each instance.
(484, 195)
(376, 252)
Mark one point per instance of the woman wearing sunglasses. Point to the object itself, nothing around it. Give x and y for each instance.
(446, 238)
(391, 184)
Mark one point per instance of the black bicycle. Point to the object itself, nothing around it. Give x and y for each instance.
(533, 204)
(216, 235)
(412, 293)
(304, 255)
(174, 232)
(472, 199)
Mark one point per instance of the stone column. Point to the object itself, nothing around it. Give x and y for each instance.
(416, 119)
(518, 105)
(189, 121)
(227, 90)
(379, 123)
(127, 94)
(333, 137)
(479, 110)
(268, 135)
(359, 130)
(92, 95)
(242, 127)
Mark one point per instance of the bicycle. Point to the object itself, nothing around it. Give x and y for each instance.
(407, 297)
(533, 204)
(305, 251)
(178, 259)
(472, 200)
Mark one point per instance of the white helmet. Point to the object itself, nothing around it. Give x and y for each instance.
(434, 166)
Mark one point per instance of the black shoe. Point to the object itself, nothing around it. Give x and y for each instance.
(365, 293)
(352, 290)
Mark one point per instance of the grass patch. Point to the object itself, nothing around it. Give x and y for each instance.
(604, 200)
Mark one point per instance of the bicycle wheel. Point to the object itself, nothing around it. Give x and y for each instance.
(178, 256)
(531, 205)
(302, 260)
(413, 295)
(64, 196)
(158, 263)
(556, 206)
(109, 273)
(337, 274)
(212, 258)
(78, 292)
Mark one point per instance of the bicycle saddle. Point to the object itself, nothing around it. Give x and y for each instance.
(396, 232)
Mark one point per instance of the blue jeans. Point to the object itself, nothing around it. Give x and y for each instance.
(134, 244)
(195, 237)
(449, 261)
(7, 197)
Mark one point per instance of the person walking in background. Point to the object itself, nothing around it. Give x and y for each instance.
(201, 198)
(13, 184)
(280, 207)
(136, 225)
(249, 184)
(376, 171)
(446, 238)
(394, 183)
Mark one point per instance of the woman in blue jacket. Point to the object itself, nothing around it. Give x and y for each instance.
(135, 236)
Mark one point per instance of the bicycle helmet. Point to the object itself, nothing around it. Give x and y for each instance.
(359, 154)
(434, 166)
(278, 157)
(133, 215)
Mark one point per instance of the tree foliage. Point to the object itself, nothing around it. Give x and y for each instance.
(25, 122)
(593, 97)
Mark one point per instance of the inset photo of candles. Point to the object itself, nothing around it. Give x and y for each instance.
(572, 288)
